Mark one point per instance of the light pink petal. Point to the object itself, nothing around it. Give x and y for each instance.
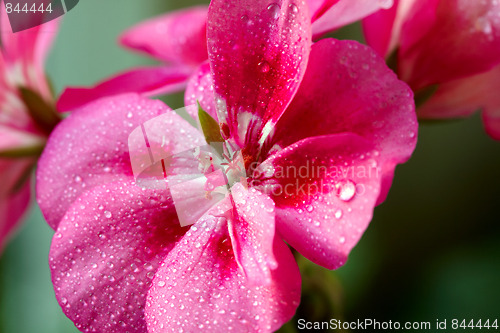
(105, 253)
(363, 97)
(200, 89)
(336, 14)
(460, 38)
(28, 49)
(149, 81)
(11, 138)
(258, 54)
(200, 286)
(90, 148)
(192, 199)
(251, 229)
(13, 203)
(14, 113)
(177, 37)
(318, 7)
(461, 98)
(325, 189)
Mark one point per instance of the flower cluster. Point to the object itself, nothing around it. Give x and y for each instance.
(26, 115)
(164, 227)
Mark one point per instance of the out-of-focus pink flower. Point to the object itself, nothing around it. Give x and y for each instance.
(319, 129)
(178, 39)
(22, 138)
(449, 45)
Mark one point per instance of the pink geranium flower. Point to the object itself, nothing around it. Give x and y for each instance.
(449, 45)
(22, 137)
(120, 260)
(178, 39)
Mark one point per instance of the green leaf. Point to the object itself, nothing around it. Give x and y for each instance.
(424, 95)
(440, 121)
(209, 126)
(42, 113)
(20, 152)
(25, 177)
(392, 61)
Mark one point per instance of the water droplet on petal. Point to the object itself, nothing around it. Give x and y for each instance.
(338, 214)
(108, 214)
(347, 190)
(274, 10)
(264, 67)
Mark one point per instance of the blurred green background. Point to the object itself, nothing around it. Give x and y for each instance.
(431, 252)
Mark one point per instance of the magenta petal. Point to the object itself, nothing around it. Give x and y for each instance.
(460, 38)
(145, 81)
(336, 14)
(199, 286)
(325, 189)
(258, 54)
(251, 229)
(363, 97)
(90, 148)
(378, 30)
(105, 253)
(200, 89)
(177, 37)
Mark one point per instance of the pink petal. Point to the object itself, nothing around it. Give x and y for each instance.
(13, 203)
(199, 286)
(363, 96)
(144, 81)
(343, 12)
(258, 54)
(457, 40)
(178, 37)
(162, 147)
(29, 48)
(461, 98)
(325, 189)
(200, 89)
(251, 229)
(90, 148)
(105, 253)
